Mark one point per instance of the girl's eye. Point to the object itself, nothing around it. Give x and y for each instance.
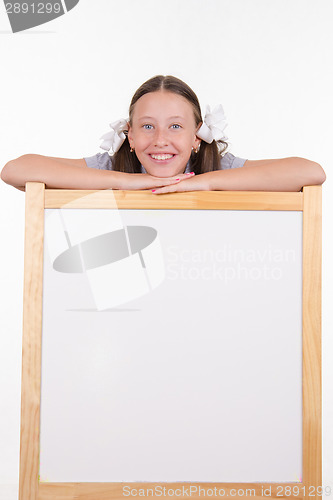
(147, 126)
(175, 126)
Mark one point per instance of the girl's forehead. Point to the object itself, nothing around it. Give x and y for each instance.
(162, 102)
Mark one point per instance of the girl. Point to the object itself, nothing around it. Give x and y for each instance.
(165, 146)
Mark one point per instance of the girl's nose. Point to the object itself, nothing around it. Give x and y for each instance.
(160, 138)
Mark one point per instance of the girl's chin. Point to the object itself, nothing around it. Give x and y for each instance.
(163, 171)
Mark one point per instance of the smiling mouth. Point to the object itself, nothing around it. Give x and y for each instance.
(162, 156)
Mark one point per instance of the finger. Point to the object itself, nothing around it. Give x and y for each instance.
(176, 178)
(172, 188)
(166, 189)
(168, 181)
(186, 176)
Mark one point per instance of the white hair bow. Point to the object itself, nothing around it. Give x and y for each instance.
(213, 125)
(114, 139)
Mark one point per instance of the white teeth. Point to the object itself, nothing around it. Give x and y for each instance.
(161, 157)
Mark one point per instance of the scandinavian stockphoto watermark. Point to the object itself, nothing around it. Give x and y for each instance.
(227, 263)
(262, 490)
(120, 262)
(27, 14)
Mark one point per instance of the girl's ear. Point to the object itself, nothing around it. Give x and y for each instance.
(197, 140)
(129, 135)
(196, 143)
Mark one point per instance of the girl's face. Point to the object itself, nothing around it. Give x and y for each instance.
(163, 133)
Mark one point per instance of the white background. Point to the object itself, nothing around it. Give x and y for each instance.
(269, 64)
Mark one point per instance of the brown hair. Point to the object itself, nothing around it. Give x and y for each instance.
(209, 155)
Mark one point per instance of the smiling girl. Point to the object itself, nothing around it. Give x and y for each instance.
(165, 146)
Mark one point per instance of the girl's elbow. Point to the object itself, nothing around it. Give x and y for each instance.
(12, 171)
(318, 174)
(7, 172)
(311, 172)
(321, 175)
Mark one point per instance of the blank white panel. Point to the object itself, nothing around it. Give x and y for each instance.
(198, 379)
(94, 223)
(55, 236)
(118, 282)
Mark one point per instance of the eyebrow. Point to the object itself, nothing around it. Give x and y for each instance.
(152, 118)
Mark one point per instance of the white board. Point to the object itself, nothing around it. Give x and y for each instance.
(197, 374)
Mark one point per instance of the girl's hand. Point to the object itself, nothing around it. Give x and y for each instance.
(193, 183)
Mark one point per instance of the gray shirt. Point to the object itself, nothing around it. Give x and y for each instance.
(103, 161)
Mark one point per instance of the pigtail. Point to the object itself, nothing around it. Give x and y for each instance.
(208, 158)
(125, 161)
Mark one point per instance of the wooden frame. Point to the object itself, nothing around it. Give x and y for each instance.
(37, 198)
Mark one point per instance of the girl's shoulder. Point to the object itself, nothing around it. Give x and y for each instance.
(230, 161)
(101, 161)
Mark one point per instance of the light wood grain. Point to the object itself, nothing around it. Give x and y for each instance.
(114, 491)
(198, 200)
(312, 447)
(31, 342)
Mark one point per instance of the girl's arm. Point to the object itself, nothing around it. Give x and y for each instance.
(66, 173)
(285, 174)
